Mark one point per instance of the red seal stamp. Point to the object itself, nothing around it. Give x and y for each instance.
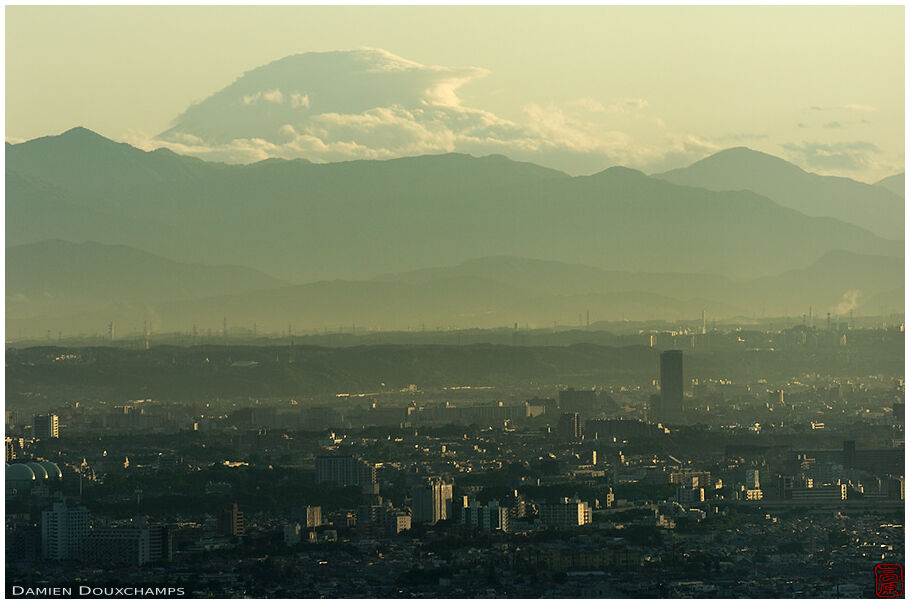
(889, 580)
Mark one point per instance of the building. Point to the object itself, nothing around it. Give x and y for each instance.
(583, 402)
(230, 521)
(431, 501)
(161, 543)
(291, 533)
(46, 426)
(381, 518)
(830, 493)
(622, 429)
(62, 531)
(671, 386)
(487, 518)
(566, 513)
(313, 516)
(569, 427)
(344, 471)
(117, 546)
(690, 495)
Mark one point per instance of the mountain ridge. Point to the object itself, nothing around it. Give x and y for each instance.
(872, 207)
(303, 221)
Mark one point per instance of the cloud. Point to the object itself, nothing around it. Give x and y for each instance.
(862, 108)
(851, 155)
(369, 103)
(269, 96)
(832, 125)
(742, 137)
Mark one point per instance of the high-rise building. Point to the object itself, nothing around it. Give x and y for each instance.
(344, 471)
(63, 530)
(431, 501)
(566, 513)
(161, 543)
(313, 516)
(671, 386)
(230, 521)
(569, 426)
(46, 426)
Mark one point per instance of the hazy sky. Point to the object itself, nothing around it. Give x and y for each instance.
(576, 88)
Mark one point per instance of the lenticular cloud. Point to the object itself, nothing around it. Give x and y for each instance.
(330, 106)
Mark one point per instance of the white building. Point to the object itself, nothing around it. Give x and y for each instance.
(62, 531)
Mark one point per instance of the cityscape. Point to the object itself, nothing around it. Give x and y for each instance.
(658, 482)
(355, 326)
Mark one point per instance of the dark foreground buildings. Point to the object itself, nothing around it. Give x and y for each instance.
(670, 403)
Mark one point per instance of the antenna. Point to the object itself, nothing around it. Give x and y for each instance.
(110, 331)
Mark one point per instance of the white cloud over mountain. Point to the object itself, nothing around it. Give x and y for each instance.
(369, 103)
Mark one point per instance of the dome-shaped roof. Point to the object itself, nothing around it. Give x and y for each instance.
(52, 469)
(38, 469)
(19, 471)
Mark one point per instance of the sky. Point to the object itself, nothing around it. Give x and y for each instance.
(579, 89)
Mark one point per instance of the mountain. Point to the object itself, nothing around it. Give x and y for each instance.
(484, 292)
(82, 160)
(57, 278)
(353, 220)
(838, 282)
(868, 206)
(894, 183)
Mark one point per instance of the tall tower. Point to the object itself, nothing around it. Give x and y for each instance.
(671, 385)
(431, 501)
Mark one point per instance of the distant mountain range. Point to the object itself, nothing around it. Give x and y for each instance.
(97, 284)
(895, 184)
(876, 208)
(56, 278)
(303, 222)
(289, 241)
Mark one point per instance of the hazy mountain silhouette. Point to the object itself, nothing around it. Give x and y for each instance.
(85, 161)
(868, 206)
(354, 220)
(58, 277)
(894, 183)
(74, 296)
